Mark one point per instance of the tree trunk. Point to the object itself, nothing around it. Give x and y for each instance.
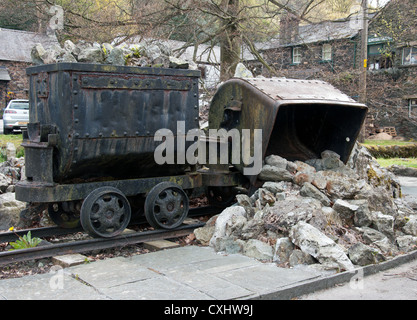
(231, 41)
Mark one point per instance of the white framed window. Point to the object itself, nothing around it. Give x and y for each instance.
(326, 52)
(296, 55)
(409, 55)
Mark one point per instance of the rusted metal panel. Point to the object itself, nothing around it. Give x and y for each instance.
(100, 120)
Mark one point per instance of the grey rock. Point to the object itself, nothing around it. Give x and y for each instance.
(406, 243)
(5, 181)
(252, 229)
(371, 235)
(242, 72)
(363, 255)
(266, 197)
(274, 187)
(259, 250)
(385, 224)
(116, 57)
(363, 216)
(298, 257)
(10, 209)
(204, 234)
(283, 250)
(37, 52)
(272, 173)
(310, 240)
(410, 227)
(276, 161)
(304, 167)
(224, 223)
(91, 55)
(308, 190)
(67, 57)
(176, 63)
(328, 154)
(345, 210)
(69, 46)
(340, 186)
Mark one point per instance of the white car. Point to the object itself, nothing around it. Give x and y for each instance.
(16, 116)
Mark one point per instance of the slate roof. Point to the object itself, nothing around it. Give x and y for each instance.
(16, 45)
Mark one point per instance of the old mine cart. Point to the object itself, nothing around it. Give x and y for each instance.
(90, 144)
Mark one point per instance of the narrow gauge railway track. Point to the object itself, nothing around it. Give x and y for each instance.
(49, 250)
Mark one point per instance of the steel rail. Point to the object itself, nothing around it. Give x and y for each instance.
(46, 251)
(44, 232)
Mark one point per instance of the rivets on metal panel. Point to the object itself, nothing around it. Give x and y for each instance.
(100, 134)
(75, 106)
(77, 135)
(75, 92)
(125, 133)
(137, 133)
(76, 120)
(87, 135)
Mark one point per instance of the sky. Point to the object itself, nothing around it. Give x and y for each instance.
(376, 2)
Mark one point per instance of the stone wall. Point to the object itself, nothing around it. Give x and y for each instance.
(312, 65)
(19, 83)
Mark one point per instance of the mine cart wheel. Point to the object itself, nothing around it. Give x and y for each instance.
(221, 196)
(166, 206)
(65, 214)
(105, 212)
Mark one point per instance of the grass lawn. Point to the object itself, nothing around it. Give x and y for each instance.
(387, 143)
(408, 162)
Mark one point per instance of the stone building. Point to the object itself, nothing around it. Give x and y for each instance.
(331, 50)
(15, 49)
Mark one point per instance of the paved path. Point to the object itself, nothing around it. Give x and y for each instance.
(399, 283)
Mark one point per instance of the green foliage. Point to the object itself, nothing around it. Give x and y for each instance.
(26, 241)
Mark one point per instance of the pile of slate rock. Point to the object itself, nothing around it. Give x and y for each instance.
(320, 212)
(144, 54)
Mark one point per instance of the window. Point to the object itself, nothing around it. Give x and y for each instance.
(296, 55)
(410, 55)
(327, 52)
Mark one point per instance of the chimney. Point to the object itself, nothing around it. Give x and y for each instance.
(289, 24)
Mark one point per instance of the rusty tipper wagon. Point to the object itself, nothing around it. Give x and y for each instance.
(90, 147)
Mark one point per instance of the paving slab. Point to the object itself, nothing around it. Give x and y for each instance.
(111, 272)
(58, 285)
(159, 288)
